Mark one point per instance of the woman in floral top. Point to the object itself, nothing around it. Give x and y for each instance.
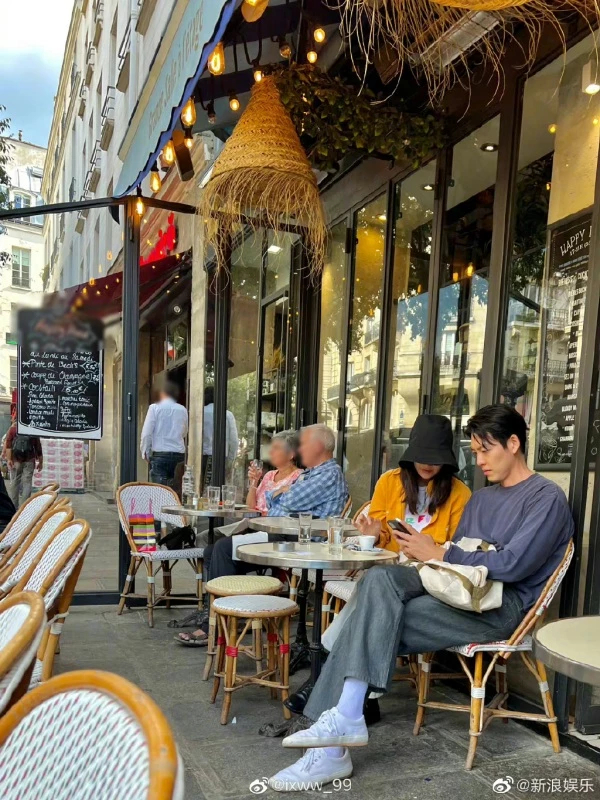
(282, 455)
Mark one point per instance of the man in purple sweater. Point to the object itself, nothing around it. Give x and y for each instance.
(528, 520)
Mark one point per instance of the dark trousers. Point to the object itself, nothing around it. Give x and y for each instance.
(395, 615)
(163, 466)
(218, 559)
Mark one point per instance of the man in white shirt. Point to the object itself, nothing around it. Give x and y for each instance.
(231, 443)
(163, 435)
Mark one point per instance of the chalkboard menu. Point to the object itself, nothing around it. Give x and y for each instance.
(60, 375)
(567, 274)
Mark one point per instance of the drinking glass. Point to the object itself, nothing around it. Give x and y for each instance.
(335, 535)
(304, 528)
(228, 497)
(214, 497)
(257, 463)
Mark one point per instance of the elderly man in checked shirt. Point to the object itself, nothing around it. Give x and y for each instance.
(321, 490)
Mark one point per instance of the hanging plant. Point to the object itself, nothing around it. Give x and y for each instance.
(334, 118)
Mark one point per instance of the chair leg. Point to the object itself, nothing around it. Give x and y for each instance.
(423, 673)
(548, 705)
(325, 612)
(167, 584)
(293, 587)
(221, 640)
(477, 701)
(150, 591)
(284, 675)
(257, 642)
(199, 585)
(128, 581)
(230, 668)
(501, 681)
(339, 604)
(272, 644)
(212, 632)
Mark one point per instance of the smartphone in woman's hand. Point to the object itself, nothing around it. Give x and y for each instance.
(398, 525)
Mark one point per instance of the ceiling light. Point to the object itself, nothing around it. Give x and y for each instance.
(489, 147)
(155, 181)
(188, 114)
(234, 103)
(319, 35)
(168, 153)
(312, 56)
(258, 73)
(428, 187)
(274, 248)
(216, 60)
(590, 80)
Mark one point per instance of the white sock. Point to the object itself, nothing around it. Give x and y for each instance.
(334, 752)
(352, 699)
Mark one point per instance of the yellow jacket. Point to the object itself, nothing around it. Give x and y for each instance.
(389, 502)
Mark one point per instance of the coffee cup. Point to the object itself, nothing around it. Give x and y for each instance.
(366, 542)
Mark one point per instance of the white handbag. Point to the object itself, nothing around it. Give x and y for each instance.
(460, 586)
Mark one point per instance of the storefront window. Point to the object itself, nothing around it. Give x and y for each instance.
(463, 294)
(363, 350)
(333, 297)
(410, 304)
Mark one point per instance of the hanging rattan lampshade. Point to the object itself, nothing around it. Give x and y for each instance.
(263, 173)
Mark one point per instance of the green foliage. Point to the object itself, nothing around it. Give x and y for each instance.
(333, 119)
(5, 148)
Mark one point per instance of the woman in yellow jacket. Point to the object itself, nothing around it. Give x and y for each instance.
(424, 492)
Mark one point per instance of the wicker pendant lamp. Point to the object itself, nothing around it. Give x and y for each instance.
(263, 173)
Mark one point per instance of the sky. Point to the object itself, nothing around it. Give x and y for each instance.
(31, 51)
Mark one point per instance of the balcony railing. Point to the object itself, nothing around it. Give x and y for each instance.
(90, 63)
(372, 333)
(107, 119)
(124, 59)
(83, 98)
(98, 21)
(333, 392)
(93, 173)
(361, 381)
(61, 227)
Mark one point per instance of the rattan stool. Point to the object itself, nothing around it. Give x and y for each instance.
(228, 586)
(258, 611)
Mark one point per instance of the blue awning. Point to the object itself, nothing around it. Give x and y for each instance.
(193, 31)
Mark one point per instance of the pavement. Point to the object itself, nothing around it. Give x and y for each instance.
(221, 762)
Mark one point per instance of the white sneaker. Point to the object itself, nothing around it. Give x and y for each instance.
(311, 771)
(332, 729)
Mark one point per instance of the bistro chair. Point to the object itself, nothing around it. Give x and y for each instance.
(51, 487)
(255, 613)
(144, 496)
(88, 734)
(32, 546)
(22, 523)
(520, 642)
(229, 586)
(53, 575)
(22, 622)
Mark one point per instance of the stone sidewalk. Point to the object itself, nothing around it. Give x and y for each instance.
(222, 761)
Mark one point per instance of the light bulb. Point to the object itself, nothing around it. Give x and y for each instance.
(216, 60)
(319, 35)
(210, 110)
(188, 114)
(234, 103)
(168, 153)
(312, 56)
(470, 270)
(285, 48)
(552, 128)
(139, 208)
(455, 277)
(258, 74)
(188, 138)
(155, 181)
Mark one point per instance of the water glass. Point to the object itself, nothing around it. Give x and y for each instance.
(335, 535)
(214, 498)
(228, 497)
(304, 528)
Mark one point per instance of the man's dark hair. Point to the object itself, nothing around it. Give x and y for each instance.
(171, 389)
(209, 395)
(498, 423)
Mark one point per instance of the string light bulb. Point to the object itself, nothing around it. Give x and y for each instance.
(319, 35)
(234, 103)
(139, 209)
(155, 181)
(216, 60)
(258, 73)
(285, 48)
(168, 153)
(252, 10)
(552, 128)
(210, 110)
(188, 114)
(188, 138)
(470, 270)
(312, 56)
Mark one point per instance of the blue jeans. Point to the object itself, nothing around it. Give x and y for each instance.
(162, 467)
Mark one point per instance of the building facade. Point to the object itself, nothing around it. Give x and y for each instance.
(22, 276)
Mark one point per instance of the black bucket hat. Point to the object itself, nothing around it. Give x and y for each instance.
(430, 442)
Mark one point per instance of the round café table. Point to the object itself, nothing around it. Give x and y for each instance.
(240, 512)
(572, 647)
(313, 556)
(288, 526)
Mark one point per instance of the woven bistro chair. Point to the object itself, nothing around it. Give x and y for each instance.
(22, 523)
(255, 612)
(88, 734)
(229, 586)
(144, 494)
(22, 623)
(520, 642)
(51, 487)
(53, 575)
(32, 545)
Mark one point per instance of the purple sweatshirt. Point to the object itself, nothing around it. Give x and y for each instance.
(530, 525)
